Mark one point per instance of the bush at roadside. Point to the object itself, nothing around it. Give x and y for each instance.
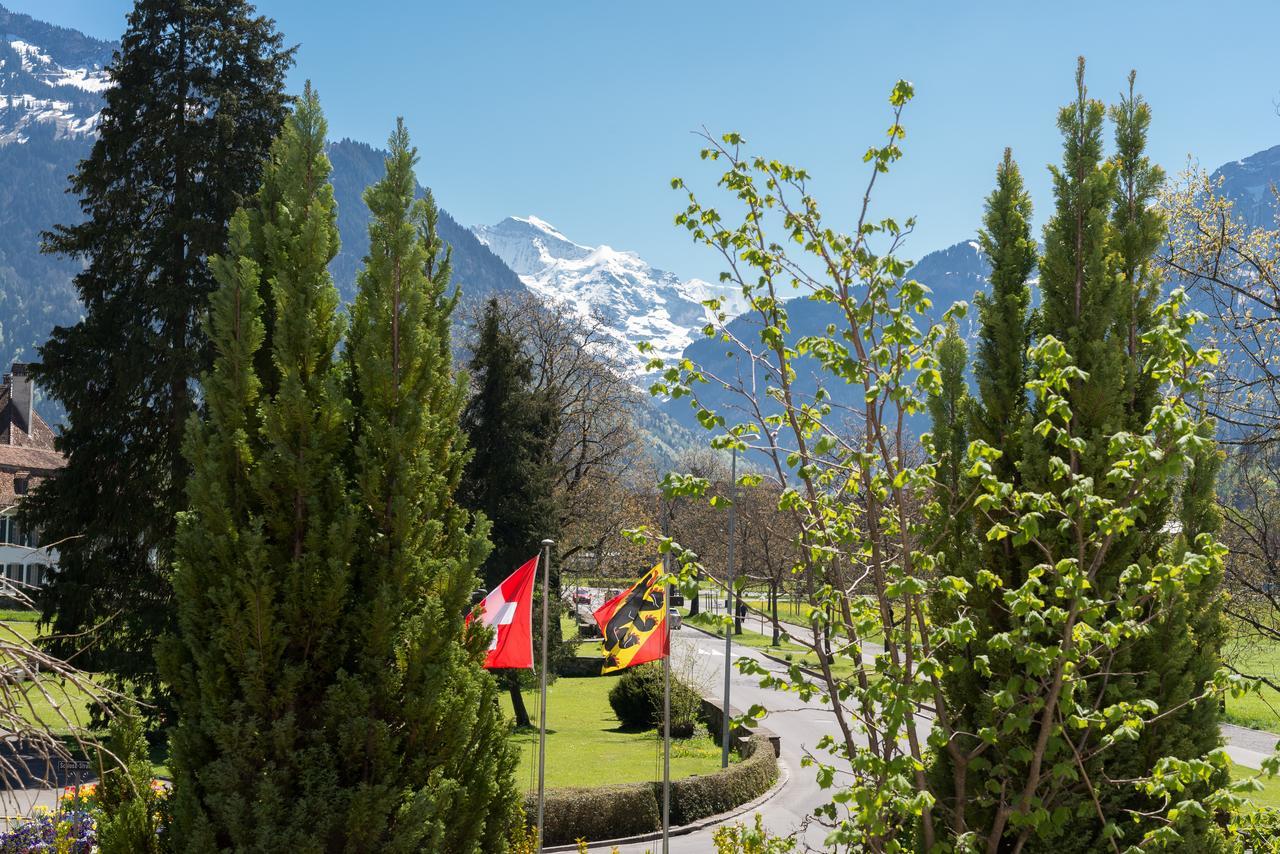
(636, 699)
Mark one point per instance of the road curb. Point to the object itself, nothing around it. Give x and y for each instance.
(784, 777)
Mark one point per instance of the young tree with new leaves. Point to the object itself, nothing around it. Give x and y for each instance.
(197, 98)
(994, 702)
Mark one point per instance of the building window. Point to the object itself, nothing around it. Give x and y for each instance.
(4, 529)
(13, 572)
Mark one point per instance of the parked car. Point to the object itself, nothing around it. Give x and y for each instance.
(673, 616)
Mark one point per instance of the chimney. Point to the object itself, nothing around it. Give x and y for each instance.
(21, 393)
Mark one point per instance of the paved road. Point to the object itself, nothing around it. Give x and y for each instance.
(799, 724)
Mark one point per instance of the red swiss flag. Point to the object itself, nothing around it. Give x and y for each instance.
(508, 610)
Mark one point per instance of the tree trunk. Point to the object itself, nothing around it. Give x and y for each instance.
(738, 615)
(695, 606)
(517, 703)
(773, 605)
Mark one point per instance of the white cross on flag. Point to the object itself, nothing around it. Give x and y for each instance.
(508, 610)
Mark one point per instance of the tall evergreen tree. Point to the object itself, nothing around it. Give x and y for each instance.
(417, 714)
(509, 478)
(1138, 230)
(1000, 366)
(197, 100)
(996, 414)
(1097, 293)
(1184, 648)
(329, 698)
(1097, 296)
(263, 570)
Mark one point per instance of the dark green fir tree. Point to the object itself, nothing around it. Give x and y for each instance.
(197, 99)
(417, 716)
(510, 478)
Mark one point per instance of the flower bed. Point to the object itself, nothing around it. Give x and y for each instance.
(70, 829)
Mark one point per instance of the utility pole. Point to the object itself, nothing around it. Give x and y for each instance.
(728, 634)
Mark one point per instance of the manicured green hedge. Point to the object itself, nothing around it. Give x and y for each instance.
(695, 798)
(606, 812)
(611, 812)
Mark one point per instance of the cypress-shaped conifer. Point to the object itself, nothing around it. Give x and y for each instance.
(416, 715)
(263, 579)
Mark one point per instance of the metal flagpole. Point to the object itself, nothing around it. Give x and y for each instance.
(728, 634)
(542, 711)
(666, 716)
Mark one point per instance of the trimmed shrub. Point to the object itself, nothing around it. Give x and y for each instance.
(605, 812)
(637, 701)
(612, 812)
(696, 798)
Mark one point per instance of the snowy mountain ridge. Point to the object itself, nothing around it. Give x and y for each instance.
(51, 80)
(633, 300)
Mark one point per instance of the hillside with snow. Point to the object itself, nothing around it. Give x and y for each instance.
(635, 301)
(51, 80)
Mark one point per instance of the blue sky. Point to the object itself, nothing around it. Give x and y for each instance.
(581, 112)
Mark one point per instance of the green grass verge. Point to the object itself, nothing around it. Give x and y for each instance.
(1270, 794)
(586, 745)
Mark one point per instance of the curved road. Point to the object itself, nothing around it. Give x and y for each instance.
(799, 724)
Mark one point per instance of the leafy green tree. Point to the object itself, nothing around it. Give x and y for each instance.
(416, 713)
(197, 100)
(510, 478)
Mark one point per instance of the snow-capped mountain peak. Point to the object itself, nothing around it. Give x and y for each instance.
(635, 301)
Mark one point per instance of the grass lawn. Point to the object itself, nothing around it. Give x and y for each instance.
(1270, 794)
(60, 706)
(1260, 711)
(587, 747)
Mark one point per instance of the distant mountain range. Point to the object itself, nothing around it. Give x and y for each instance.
(635, 301)
(51, 84)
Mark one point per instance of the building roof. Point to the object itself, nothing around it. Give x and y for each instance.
(27, 453)
(15, 432)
